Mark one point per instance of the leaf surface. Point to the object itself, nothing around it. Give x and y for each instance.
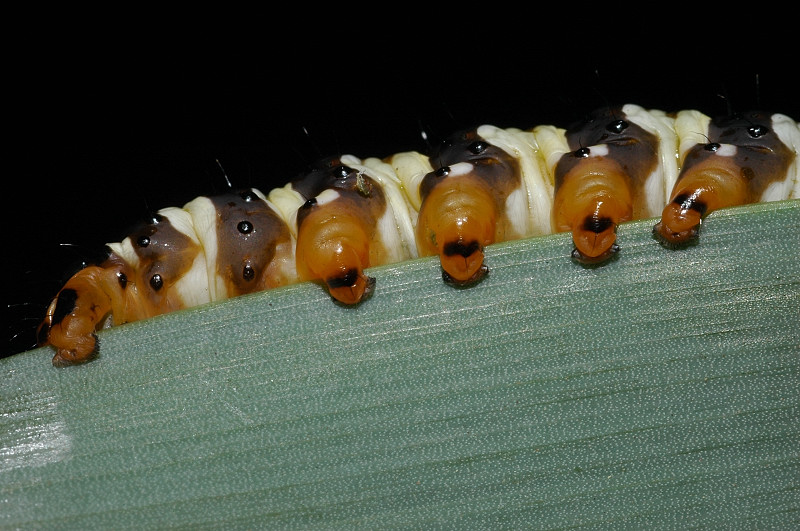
(660, 390)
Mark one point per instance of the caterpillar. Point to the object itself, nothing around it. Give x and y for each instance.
(479, 186)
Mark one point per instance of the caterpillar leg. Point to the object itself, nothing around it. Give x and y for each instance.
(158, 269)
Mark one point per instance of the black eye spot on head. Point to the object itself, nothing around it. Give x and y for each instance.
(248, 196)
(581, 153)
(245, 227)
(156, 282)
(756, 131)
(478, 147)
(617, 126)
(310, 203)
(248, 273)
(442, 172)
(143, 241)
(712, 146)
(122, 278)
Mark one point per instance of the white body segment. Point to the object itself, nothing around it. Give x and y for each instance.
(411, 167)
(659, 184)
(204, 217)
(395, 227)
(529, 210)
(789, 132)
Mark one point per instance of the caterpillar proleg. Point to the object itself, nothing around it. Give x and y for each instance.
(480, 186)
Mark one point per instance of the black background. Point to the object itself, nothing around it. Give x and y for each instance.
(102, 133)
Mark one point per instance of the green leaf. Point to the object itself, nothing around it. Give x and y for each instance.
(657, 391)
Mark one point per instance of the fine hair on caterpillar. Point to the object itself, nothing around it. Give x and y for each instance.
(479, 186)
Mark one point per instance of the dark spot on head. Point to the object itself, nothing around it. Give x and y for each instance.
(756, 131)
(712, 146)
(248, 273)
(597, 224)
(143, 241)
(581, 152)
(345, 280)
(248, 195)
(310, 203)
(461, 248)
(122, 278)
(65, 303)
(245, 227)
(442, 172)
(690, 202)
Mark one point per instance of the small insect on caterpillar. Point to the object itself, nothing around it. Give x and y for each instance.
(480, 186)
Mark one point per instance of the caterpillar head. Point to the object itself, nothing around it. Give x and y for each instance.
(83, 306)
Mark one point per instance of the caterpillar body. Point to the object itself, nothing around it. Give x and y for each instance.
(480, 186)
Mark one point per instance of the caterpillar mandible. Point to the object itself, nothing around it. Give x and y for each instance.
(480, 186)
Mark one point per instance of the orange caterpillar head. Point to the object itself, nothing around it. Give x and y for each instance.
(680, 221)
(83, 306)
(595, 238)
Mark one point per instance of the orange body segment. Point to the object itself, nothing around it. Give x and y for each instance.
(469, 201)
(591, 200)
(333, 246)
(457, 220)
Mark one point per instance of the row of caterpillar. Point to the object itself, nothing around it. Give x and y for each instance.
(480, 186)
